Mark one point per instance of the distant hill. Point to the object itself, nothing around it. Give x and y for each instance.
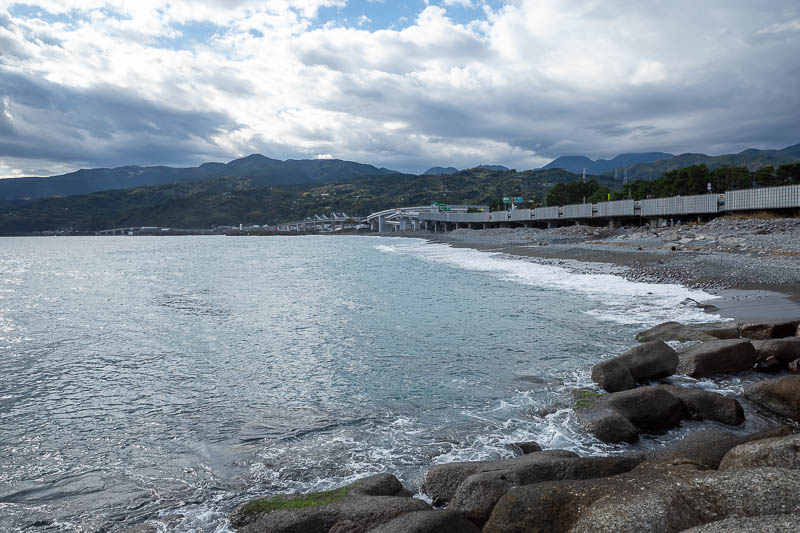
(752, 159)
(261, 169)
(576, 163)
(438, 171)
(229, 201)
(493, 167)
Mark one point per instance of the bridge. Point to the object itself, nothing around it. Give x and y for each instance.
(334, 222)
(656, 211)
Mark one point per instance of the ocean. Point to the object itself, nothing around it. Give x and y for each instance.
(173, 378)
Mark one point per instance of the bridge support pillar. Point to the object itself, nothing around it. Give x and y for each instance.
(614, 223)
(380, 224)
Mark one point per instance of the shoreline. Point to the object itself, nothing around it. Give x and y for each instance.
(741, 282)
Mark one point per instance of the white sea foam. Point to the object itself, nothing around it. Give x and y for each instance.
(608, 297)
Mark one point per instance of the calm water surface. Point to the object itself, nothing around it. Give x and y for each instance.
(172, 378)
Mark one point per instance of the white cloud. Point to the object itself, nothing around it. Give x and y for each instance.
(518, 86)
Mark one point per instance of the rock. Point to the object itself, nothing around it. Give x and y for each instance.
(647, 408)
(319, 512)
(613, 376)
(673, 331)
(429, 522)
(783, 452)
(673, 499)
(794, 366)
(346, 526)
(651, 360)
(705, 405)
(717, 357)
(705, 449)
(607, 425)
(441, 481)
(529, 447)
(784, 350)
(620, 416)
(769, 365)
(724, 333)
(780, 395)
(782, 523)
(770, 330)
(476, 496)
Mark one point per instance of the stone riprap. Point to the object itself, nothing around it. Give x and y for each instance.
(651, 360)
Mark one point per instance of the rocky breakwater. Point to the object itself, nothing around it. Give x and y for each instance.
(712, 480)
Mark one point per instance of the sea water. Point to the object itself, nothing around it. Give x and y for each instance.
(172, 378)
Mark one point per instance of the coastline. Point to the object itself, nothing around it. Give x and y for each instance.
(749, 284)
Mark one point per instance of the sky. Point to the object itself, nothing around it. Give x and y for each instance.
(406, 84)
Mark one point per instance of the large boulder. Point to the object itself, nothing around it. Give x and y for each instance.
(780, 395)
(717, 357)
(441, 481)
(607, 425)
(781, 523)
(367, 503)
(613, 376)
(665, 500)
(651, 360)
(620, 416)
(784, 350)
(783, 452)
(724, 333)
(705, 405)
(476, 496)
(429, 522)
(673, 331)
(769, 330)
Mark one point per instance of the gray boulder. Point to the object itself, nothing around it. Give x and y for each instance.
(429, 522)
(367, 503)
(784, 350)
(346, 526)
(783, 452)
(726, 333)
(528, 447)
(673, 331)
(476, 496)
(717, 357)
(664, 500)
(705, 405)
(782, 523)
(620, 416)
(441, 481)
(780, 395)
(613, 376)
(651, 360)
(607, 425)
(769, 330)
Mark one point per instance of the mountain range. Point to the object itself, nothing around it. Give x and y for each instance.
(260, 169)
(751, 158)
(578, 163)
(441, 171)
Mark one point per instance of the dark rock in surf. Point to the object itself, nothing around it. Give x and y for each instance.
(528, 447)
(368, 503)
(673, 331)
(783, 350)
(705, 405)
(724, 333)
(651, 360)
(607, 425)
(779, 395)
(769, 365)
(769, 330)
(717, 357)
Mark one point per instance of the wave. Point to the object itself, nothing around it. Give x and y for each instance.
(609, 297)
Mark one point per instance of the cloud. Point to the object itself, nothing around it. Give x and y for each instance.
(107, 82)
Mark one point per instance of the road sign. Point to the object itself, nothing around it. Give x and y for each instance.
(518, 199)
(506, 199)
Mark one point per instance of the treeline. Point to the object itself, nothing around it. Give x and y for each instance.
(681, 182)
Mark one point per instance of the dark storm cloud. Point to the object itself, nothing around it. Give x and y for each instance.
(99, 126)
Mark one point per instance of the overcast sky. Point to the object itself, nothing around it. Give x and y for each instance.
(401, 84)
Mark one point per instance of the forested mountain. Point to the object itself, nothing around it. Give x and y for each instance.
(260, 169)
(576, 163)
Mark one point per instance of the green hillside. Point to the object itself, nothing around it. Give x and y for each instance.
(752, 159)
(226, 201)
